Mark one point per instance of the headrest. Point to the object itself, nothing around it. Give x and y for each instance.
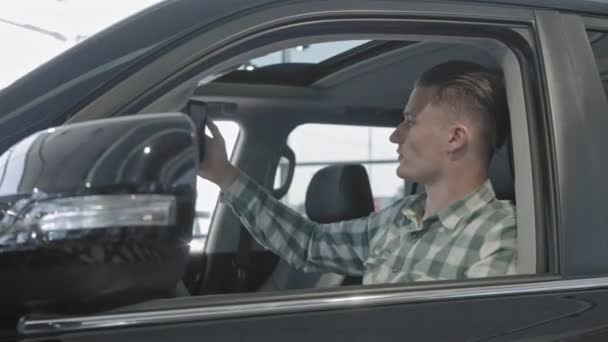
(339, 193)
(501, 172)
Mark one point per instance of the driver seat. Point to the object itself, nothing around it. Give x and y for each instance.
(335, 193)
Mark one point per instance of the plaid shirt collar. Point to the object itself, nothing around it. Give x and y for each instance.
(450, 216)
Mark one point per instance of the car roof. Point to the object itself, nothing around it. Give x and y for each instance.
(592, 7)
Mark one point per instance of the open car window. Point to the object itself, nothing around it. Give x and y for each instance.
(346, 117)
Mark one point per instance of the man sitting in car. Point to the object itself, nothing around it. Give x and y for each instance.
(454, 120)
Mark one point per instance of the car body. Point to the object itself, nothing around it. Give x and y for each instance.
(187, 50)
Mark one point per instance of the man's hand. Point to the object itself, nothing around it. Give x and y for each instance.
(216, 167)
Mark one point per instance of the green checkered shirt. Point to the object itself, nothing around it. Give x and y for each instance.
(474, 237)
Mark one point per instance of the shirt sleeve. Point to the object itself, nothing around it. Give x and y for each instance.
(498, 252)
(337, 247)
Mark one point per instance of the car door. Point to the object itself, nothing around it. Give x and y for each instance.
(566, 299)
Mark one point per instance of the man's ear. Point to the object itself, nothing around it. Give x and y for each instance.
(459, 136)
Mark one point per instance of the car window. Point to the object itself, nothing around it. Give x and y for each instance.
(599, 44)
(319, 145)
(207, 192)
(311, 53)
(343, 112)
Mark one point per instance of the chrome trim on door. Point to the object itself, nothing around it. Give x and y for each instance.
(63, 325)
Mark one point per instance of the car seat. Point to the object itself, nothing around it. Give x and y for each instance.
(335, 193)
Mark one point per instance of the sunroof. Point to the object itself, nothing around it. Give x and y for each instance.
(309, 54)
(304, 65)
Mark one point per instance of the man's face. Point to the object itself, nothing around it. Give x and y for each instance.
(421, 138)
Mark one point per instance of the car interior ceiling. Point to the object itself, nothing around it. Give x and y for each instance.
(384, 79)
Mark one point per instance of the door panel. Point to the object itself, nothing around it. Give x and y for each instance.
(579, 316)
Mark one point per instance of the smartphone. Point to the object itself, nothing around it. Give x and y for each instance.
(198, 113)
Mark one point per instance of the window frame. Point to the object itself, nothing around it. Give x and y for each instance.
(540, 182)
(526, 84)
(262, 41)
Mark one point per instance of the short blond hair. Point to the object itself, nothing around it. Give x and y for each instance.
(475, 91)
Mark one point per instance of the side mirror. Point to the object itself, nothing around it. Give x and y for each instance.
(96, 214)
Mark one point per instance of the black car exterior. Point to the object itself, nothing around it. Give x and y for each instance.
(567, 302)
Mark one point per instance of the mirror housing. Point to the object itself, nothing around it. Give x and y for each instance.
(96, 214)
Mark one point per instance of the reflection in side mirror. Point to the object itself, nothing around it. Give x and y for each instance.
(96, 214)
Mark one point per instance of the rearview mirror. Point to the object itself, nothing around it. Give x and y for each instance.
(96, 214)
